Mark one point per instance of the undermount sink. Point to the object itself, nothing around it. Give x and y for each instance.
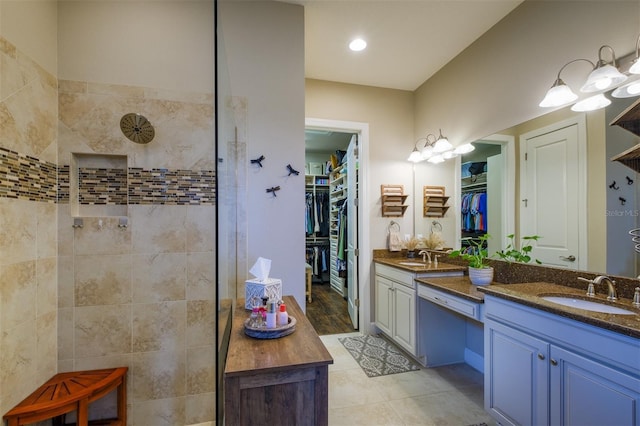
(587, 305)
(412, 264)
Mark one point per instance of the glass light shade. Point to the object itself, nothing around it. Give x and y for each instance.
(447, 155)
(442, 145)
(635, 68)
(591, 104)
(559, 94)
(427, 152)
(465, 149)
(602, 78)
(357, 45)
(415, 156)
(436, 159)
(628, 90)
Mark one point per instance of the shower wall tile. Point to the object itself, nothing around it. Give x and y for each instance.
(102, 330)
(159, 277)
(201, 320)
(46, 346)
(201, 373)
(18, 362)
(18, 294)
(65, 335)
(107, 361)
(102, 236)
(102, 280)
(160, 412)
(159, 326)
(158, 229)
(46, 230)
(46, 285)
(66, 231)
(201, 276)
(200, 410)
(66, 282)
(201, 228)
(18, 236)
(158, 375)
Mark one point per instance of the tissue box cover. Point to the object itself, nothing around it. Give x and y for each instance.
(271, 288)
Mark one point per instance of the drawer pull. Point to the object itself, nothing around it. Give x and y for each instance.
(441, 300)
(541, 356)
(554, 362)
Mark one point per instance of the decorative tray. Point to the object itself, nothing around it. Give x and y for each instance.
(270, 333)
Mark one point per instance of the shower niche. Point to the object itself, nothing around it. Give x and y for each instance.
(98, 185)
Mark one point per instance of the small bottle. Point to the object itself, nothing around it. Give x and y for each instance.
(636, 298)
(271, 315)
(283, 316)
(253, 318)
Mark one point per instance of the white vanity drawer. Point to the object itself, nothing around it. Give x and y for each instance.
(395, 274)
(457, 304)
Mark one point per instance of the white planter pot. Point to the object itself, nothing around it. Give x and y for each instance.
(480, 276)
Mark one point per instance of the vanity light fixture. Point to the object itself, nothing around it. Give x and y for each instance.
(591, 103)
(437, 149)
(605, 75)
(560, 93)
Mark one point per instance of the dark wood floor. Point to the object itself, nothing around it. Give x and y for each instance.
(328, 311)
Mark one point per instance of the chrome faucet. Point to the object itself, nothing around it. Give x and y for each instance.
(598, 280)
(611, 283)
(424, 254)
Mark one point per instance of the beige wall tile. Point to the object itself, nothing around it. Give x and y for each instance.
(46, 346)
(102, 235)
(18, 236)
(65, 231)
(18, 294)
(66, 282)
(18, 363)
(102, 330)
(108, 361)
(158, 375)
(159, 277)
(160, 412)
(201, 317)
(200, 409)
(46, 285)
(65, 334)
(158, 229)
(159, 326)
(47, 229)
(201, 276)
(102, 280)
(201, 228)
(201, 370)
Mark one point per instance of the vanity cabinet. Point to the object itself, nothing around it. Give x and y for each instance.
(396, 309)
(541, 369)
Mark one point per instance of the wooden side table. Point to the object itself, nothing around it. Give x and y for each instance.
(73, 391)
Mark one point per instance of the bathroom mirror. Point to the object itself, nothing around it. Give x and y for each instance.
(612, 193)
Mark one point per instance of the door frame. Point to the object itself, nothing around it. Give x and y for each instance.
(364, 244)
(580, 121)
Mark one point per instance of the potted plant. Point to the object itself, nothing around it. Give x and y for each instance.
(411, 244)
(511, 254)
(476, 255)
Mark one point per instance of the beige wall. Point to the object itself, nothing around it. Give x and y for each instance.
(160, 44)
(32, 27)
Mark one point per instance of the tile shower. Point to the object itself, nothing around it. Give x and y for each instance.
(141, 295)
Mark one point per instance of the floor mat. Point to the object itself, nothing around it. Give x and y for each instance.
(377, 356)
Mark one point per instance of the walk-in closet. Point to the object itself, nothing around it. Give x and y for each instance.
(327, 212)
(480, 195)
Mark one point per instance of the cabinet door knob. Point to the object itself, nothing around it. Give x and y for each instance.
(554, 362)
(540, 356)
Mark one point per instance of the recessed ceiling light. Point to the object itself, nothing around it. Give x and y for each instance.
(358, 45)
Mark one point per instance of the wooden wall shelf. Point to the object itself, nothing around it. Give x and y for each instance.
(435, 201)
(393, 200)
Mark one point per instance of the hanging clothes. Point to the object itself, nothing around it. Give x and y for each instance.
(341, 255)
(473, 210)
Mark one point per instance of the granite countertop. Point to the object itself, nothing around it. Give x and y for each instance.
(396, 262)
(457, 286)
(529, 294)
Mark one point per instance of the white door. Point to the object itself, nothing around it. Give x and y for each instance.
(552, 206)
(352, 230)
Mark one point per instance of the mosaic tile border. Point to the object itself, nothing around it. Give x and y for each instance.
(28, 178)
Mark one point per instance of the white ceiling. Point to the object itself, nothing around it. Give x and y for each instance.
(408, 40)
